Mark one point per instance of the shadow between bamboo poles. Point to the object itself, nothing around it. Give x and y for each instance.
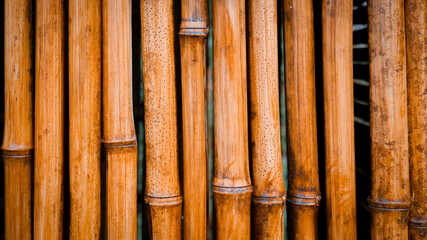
(17, 147)
(389, 200)
(118, 126)
(269, 194)
(84, 36)
(416, 60)
(339, 118)
(303, 192)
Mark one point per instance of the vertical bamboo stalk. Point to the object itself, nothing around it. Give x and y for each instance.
(416, 60)
(193, 36)
(162, 192)
(269, 194)
(389, 200)
(232, 188)
(17, 147)
(85, 118)
(118, 126)
(303, 192)
(337, 23)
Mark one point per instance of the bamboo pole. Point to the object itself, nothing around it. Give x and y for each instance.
(193, 39)
(232, 188)
(269, 194)
(85, 118)
(17, 146)
(416, 37)
(162, 192)
(389, 200)
(118, 126)
(337, 19)
(303, 192)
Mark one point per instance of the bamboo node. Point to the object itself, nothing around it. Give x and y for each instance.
(128, 143)
(231, 190)
(269, 200)
(194, 32)
(303, 200)
(18, 152)
(417, 223)
(388, 205)
(162, 201)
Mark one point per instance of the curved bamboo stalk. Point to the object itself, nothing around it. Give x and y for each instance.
(269, 194)
(389, 200)
(162, 192)
(85, 118)
(337, 19)
(17, 146)
(118, 126)
(303, 192)
(193, 36)
(232, 188)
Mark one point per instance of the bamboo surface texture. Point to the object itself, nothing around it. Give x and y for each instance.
(337, 25)
(389, 200)
(162, 192)
(118, 127)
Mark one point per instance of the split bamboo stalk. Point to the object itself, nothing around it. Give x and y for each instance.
(232, 188)
(269, 196)
(85, 118)
(118, 127)
(337, 23)
(193, 36)
(303, 192)
(416, 37)
(389, 200)
(162, 192)
(17, 147)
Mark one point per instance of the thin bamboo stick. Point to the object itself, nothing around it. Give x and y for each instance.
(17, 147)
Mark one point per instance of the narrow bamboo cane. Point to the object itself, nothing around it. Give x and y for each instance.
(416, 37)
(17, 147)
(337, 19)
(232, 188)
(193, 36)
(389, 200)
(85, 118)
(303, 192)
(118, 127)
(269, 196)
(162, 192)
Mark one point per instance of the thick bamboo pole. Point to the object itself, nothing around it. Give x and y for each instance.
(337, 24)
(232, 188)
(118, 126)
(85, 118)
(416, 60)
(17, 147)
(389, 200)
(162, 192)
(269, 196)
(303, 192)
(193, 36)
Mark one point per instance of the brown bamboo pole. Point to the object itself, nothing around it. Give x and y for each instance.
(162, 192)
(303, 192)
(337, 23)
(232, 188)
(193, 39)
(84, 34)
(416, 60)
(118, 126)
(389, 200)
(269, 196)
(17, 146)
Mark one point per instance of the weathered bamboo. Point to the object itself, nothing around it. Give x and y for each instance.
(193, 36)
(337, 24)
(416, 60)
(232, 188)
(269, 196)
(162, 192)
(303, 192)
(85, 118)
(17, 146)
(389, 200)
(118, 127)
